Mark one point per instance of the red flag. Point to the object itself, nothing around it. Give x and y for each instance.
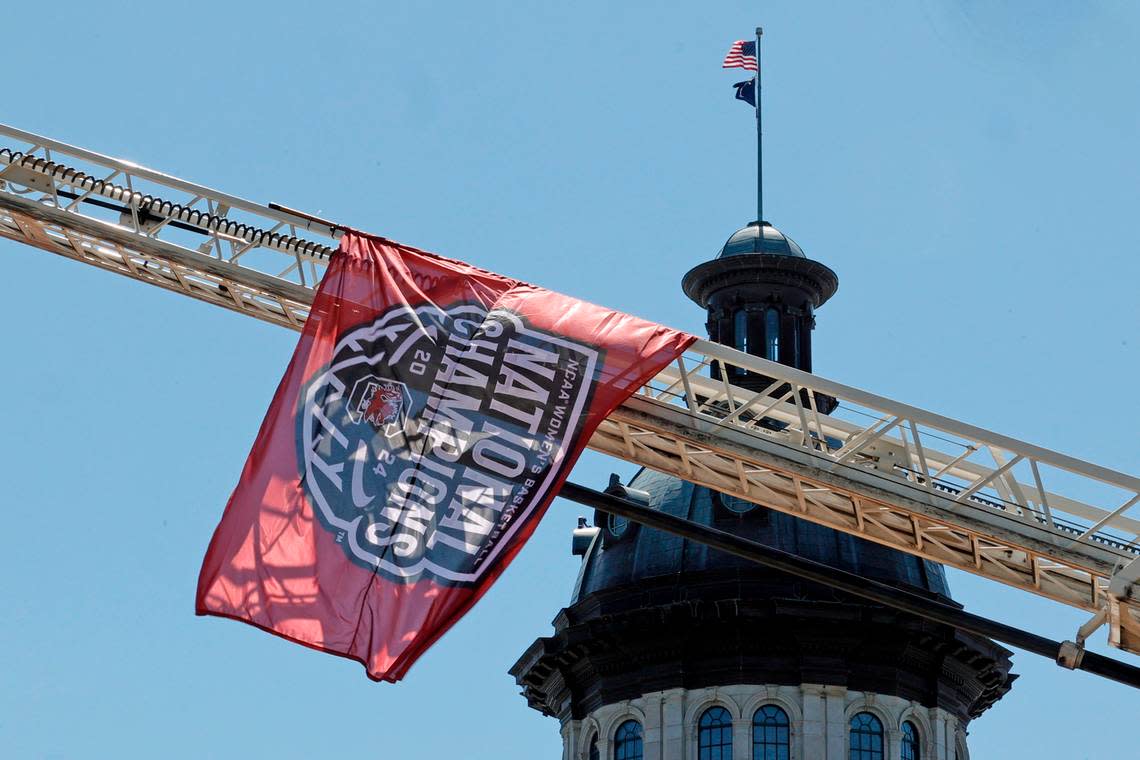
(429, 415)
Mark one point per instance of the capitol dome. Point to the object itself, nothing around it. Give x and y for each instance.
(670, 649)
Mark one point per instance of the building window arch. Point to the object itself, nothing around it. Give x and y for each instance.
(911, 749)
(714, 734)
(772, 334)
(866, 737)
(771, 734)
(628, 742)
(592, 753)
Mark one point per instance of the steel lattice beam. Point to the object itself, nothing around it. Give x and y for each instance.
(879, 469)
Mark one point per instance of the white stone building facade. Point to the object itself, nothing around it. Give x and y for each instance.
(819, 719)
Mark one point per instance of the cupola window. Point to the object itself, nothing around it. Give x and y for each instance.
(771, 734)
(910, 750)
(740, 330)
(866, 737)
(714, 735)
(627, 741)
(772, 334)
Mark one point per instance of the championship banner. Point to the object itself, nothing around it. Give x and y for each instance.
(428, 417)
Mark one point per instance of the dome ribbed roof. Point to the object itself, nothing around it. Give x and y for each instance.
(760, 237)
(643, 553)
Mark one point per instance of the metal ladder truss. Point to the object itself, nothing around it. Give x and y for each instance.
(875, 468)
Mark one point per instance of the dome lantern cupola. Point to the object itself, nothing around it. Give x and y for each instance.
(761, 292)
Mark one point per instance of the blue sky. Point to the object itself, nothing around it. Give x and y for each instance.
(969, 170)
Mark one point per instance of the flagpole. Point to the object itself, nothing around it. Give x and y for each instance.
(759, 136)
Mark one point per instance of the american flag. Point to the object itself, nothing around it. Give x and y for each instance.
(742, 55)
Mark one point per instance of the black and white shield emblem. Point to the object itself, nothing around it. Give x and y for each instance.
(433, 433)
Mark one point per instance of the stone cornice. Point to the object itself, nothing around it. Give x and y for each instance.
(604, 650)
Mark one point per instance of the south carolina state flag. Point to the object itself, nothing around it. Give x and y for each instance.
(429, 415)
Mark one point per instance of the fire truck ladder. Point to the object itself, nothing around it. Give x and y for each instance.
(888, 472)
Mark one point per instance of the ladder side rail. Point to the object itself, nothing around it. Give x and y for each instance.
(936, 459)
(920, 416)
(1059, 572)
(261, 281)
(155, 262)
(160, 178)
(162, 210)
(784, 477)
(274, 286)
(709, 349)
(675, 428)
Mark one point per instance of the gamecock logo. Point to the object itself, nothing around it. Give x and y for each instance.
(379, 402)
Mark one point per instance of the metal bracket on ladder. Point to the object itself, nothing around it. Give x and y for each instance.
(1072, 652)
